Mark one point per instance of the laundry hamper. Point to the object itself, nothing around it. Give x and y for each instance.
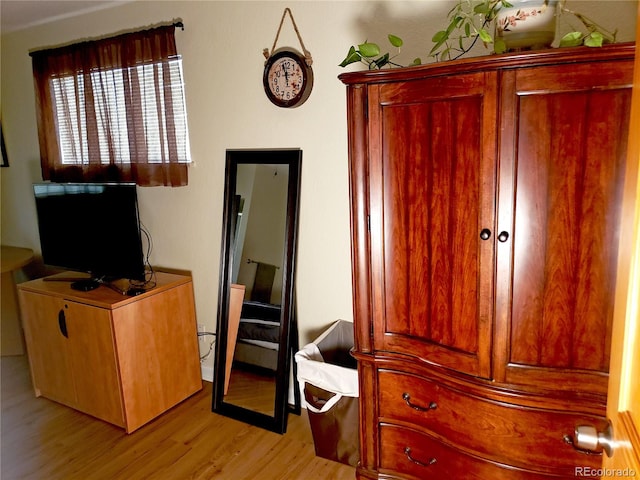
(329, 386)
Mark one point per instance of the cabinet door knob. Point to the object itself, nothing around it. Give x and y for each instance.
(485, 233)
(503, 237)
(62, 323)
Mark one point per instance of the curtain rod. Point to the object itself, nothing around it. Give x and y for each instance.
(177, 24)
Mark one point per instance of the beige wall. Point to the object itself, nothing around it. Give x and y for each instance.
(222, 56)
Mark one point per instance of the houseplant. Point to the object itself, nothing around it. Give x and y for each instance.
(471, 21)
(370, 54)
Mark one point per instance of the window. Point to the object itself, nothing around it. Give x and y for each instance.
(113, 109)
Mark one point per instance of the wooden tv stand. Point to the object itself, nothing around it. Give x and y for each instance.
(122, 359)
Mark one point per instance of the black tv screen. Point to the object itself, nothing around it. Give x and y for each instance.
(91, 227)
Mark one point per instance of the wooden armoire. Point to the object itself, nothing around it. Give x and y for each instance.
(485, 205)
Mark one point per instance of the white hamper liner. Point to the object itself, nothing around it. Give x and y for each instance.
(313, 369)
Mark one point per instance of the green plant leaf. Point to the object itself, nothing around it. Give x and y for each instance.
(485, 36)
(368, 49)
(571, 39)
(439, 36)
(467, 29)
(494, 6)
(455, 23)
(395, 41)
(481, 9)
(416, 61)
(352, 57)
(382, 61)
(499, 46)
(595, 39)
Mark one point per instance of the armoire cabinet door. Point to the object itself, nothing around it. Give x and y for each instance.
(563, 157)
(432, 188)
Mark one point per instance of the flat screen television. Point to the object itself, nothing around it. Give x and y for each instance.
(91, 227)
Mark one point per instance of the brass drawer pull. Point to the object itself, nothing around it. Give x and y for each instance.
(407, 452)
(407, 398)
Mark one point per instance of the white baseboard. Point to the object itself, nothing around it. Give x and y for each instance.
(206, 373)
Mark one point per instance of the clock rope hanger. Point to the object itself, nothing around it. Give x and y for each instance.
(288, 76)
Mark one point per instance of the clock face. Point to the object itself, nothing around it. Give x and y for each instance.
(287, 79)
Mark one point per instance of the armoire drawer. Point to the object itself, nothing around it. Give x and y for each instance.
(406, 452)
(503, 432)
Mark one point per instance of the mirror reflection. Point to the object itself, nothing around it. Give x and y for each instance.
(261, 199)
(256, 324)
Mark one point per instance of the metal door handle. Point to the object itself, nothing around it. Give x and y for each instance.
(588, 439)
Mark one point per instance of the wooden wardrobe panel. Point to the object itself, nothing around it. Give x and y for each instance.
(436, 181)
(569, 174)
(431, 202)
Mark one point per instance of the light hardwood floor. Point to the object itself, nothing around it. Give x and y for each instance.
(41, 439)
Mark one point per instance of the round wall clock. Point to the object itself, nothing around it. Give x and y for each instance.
(287, 78)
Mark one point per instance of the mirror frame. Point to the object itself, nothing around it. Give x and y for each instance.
(289, 343)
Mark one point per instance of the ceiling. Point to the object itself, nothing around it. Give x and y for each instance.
(19, 14)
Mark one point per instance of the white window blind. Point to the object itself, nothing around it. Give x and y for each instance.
(121, 97)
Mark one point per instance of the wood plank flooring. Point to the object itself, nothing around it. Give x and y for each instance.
(40, 439)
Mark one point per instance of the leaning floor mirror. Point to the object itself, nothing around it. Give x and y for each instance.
(257, 332)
